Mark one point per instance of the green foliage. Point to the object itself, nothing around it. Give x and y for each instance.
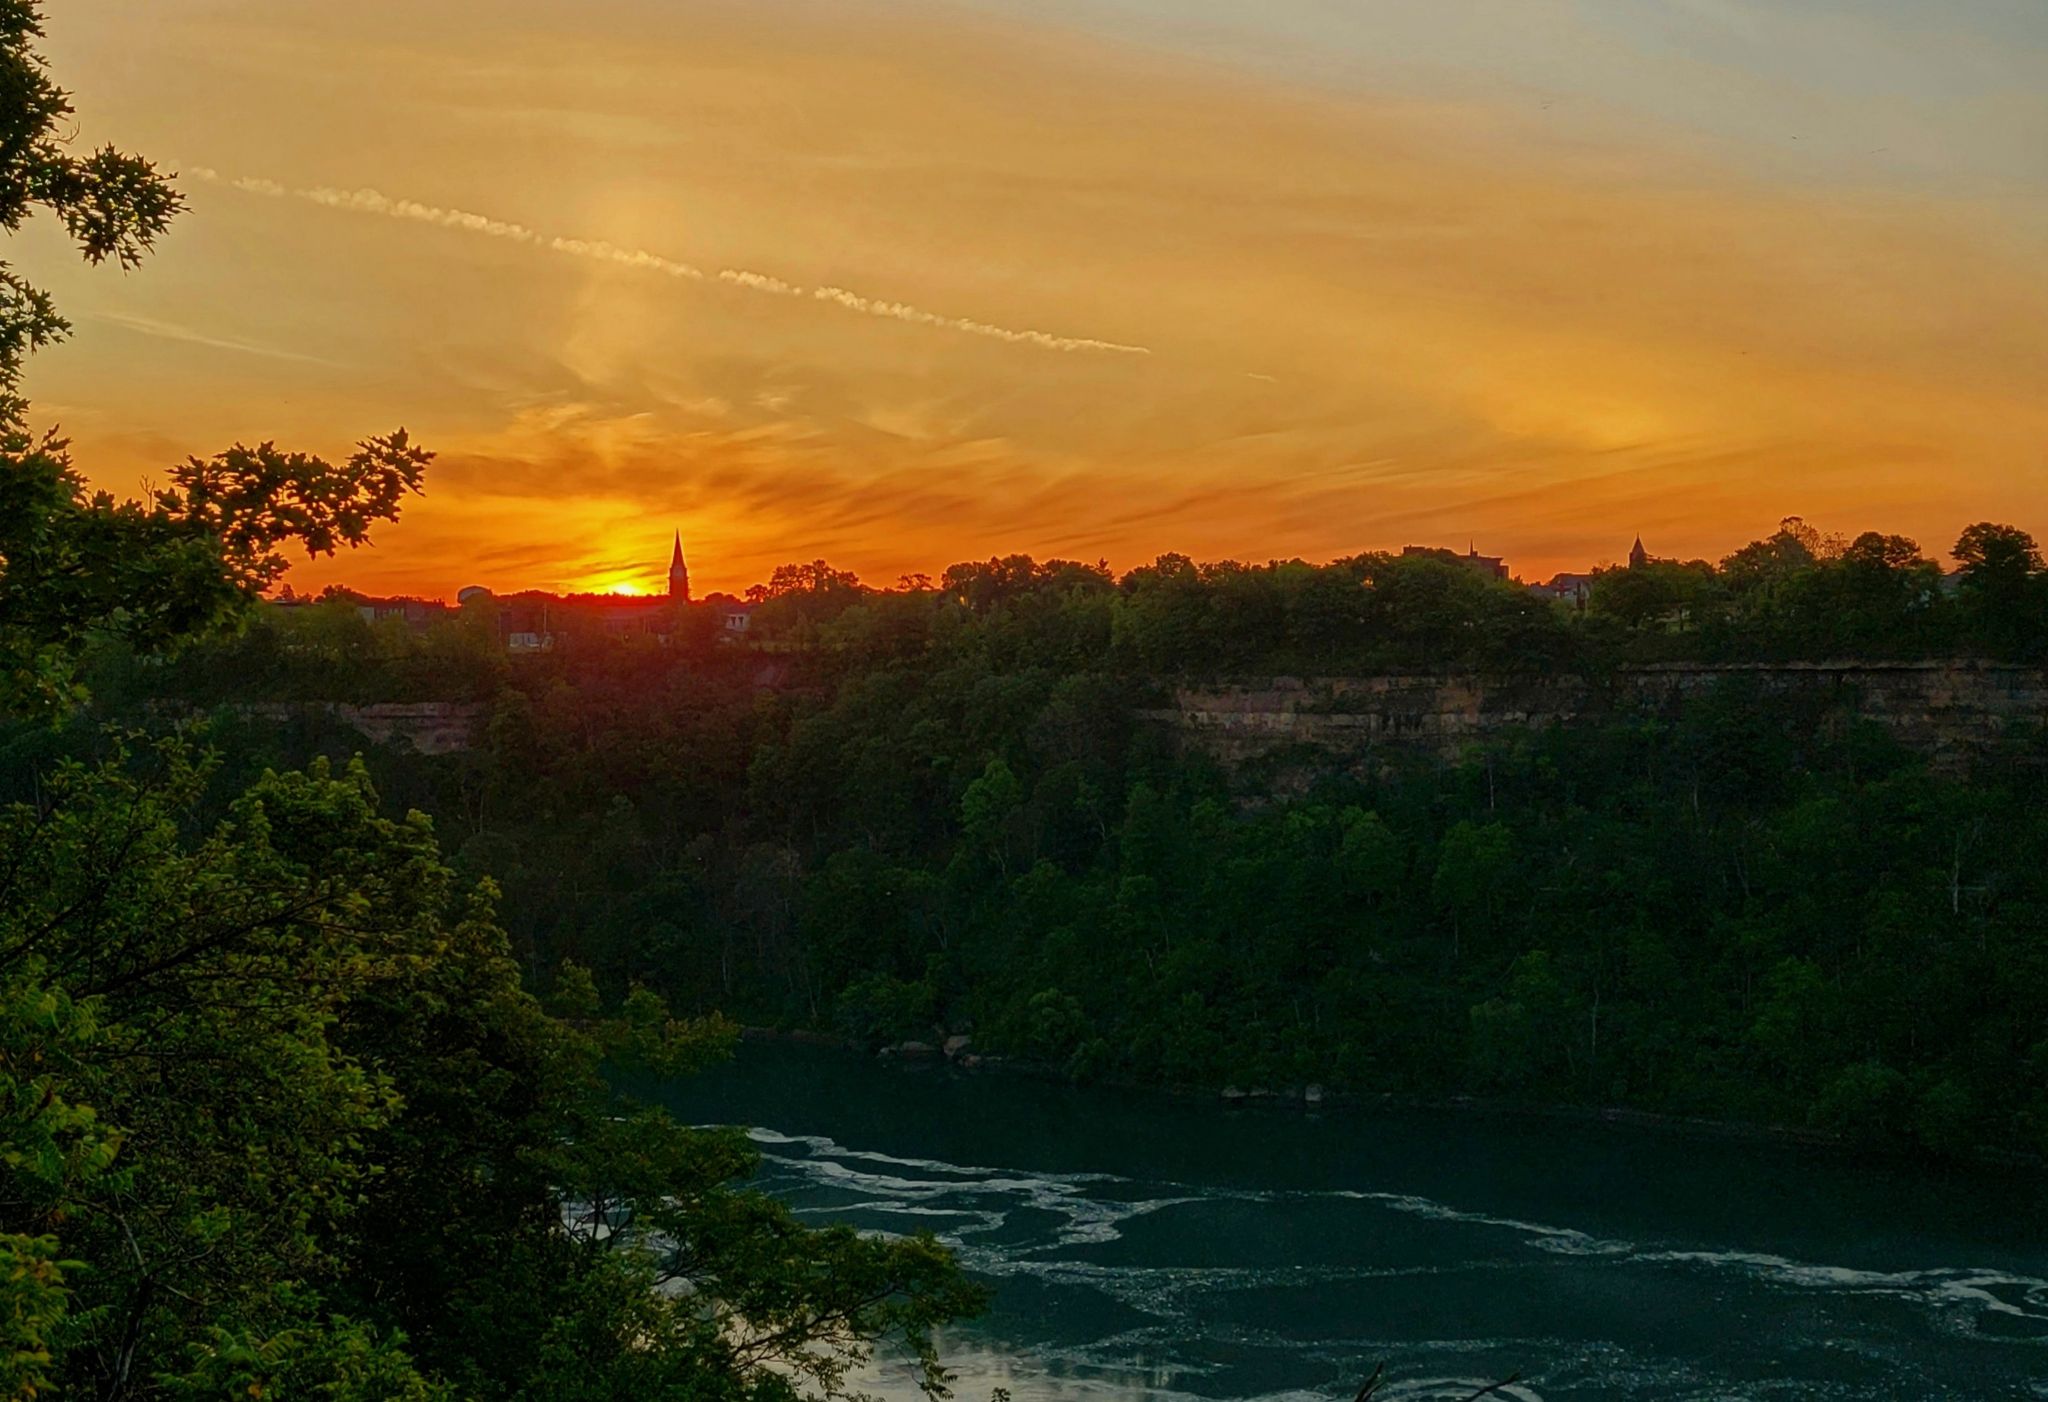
(1796, 593)
(336, 1359)
(78, 566)
(882, 1008)
(986, 810)
(252, 499)
(2005, 589)
(328, 1101)
(1473, 863)
(1525, 1037)
(277, 1118)
(34, 1299)
(1735, 907)
(574, 995)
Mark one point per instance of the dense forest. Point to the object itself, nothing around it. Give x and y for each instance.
(937, 809)
(277, 1117)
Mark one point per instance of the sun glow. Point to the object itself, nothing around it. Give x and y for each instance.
(613, 584)
(1403, 307)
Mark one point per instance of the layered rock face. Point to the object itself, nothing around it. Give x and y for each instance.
(430, 727)
(1951, 711)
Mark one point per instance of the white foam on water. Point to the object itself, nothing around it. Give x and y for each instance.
(1564, 1241)
(984, 1220)
(1943, 1284)
(1420, 1389)
(1011, 1223)
(820, 1144)
(1084, 1219)
(1934, 1285)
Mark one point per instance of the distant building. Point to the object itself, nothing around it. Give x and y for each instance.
(533, 621)
(536, 621)
(525, 622)
(678, 575)
(1637, 556)
(1566, 588)
(416, 614)
(1492, 566)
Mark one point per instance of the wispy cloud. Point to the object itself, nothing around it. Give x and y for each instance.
(759, 282)
(371, 202)
(171, 331)
(368, 201)
(899, 311)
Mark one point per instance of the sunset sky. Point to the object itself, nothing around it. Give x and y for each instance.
(900, 284)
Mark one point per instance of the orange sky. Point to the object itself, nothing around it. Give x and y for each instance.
(899, 284)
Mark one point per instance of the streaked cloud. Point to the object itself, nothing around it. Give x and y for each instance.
(918, 317)
(368, 201)
(191, 336)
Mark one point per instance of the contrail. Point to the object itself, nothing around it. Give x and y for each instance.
(900, 311)
(367, 201)
(171, 331)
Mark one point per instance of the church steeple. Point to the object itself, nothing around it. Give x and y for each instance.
(1637, 556)
(678, 574)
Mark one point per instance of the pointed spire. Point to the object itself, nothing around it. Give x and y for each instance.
(678, 574)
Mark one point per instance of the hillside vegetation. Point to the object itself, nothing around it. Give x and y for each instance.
(946, 816)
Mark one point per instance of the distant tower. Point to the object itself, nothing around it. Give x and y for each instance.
(678, 574)
(1637, 556)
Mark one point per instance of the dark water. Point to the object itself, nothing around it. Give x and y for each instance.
(1146, 1248)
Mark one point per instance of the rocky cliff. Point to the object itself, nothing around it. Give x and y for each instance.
(430, 727)
(1951, 711)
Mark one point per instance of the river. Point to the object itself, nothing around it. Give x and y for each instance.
(1148, 1248)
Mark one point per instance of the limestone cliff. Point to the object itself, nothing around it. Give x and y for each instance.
(430, 727)
(1948, 710)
